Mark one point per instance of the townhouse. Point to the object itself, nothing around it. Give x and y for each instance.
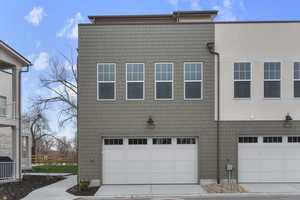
(166, 99)
(11, 68)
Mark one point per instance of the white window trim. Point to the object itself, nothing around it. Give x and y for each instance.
(294, 79)
(272, 98)
(135, 82)
(6, 109)
(201, 81)
(114, 82)
(234, 80)
(172, 81)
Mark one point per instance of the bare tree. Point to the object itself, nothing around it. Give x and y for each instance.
(45, 145)
(35, 122)
(65, 146)
(61, 83)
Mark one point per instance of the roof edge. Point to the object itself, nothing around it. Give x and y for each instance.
(173, 15)
(17, 54)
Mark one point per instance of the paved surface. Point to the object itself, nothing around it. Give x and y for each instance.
(56, 191)
(272, 188)
(211, 197)
(133, 190)
(48, 174)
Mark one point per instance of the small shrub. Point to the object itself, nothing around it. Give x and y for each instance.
(84, 184)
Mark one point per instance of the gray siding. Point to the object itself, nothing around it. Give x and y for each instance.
(146, 43)
(231, 130)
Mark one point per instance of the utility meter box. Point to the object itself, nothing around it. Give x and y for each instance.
(229, 167)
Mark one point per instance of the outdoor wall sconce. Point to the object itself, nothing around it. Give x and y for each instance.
(288, 121)
(150, 122)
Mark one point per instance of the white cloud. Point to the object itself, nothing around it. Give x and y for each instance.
(68, 66)
(35, 16)
(227, 4)
(173, 2)
(195, 5)
(37, 44)
(226, 11)
(70, 30)
(41, 61)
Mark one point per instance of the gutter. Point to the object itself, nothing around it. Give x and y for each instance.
(211, 48)
(20, 117)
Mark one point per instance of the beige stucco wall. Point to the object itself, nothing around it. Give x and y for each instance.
(257, 43)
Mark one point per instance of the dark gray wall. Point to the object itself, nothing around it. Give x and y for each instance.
(231, 130)
(146, 43)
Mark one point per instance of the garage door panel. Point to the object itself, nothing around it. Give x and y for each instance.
(269, 162)
(249, 177)
(137, 154)
(162, 155)
(292, 165)
(113, 155)
(271, 165)
(150, 163)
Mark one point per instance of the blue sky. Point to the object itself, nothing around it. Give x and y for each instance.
(40, 29)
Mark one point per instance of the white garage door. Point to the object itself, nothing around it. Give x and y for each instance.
(150, 160)
(269, 159)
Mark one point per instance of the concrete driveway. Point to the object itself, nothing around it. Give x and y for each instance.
(272, 188)
(145, 190)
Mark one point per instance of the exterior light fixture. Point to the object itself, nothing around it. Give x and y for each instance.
(150, 122)
(288, 117)
(288, 121)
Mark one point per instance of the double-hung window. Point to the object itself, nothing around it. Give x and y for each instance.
(135, 81)
(242, 80)
(272, 79)
(192, 81)
(106, 81)
(164, 81)
(297, 79)
(3, 106)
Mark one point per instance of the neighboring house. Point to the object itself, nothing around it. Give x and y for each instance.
(11, 63)
(149, 108)
(260, 89)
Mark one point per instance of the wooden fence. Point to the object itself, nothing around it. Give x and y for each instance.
(53, 158)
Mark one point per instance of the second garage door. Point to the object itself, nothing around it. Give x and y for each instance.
(156, 160)
(269, 159)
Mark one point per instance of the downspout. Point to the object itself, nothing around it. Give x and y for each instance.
(211, 48)
(20, 118)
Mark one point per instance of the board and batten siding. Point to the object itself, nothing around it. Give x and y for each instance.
(149, 44)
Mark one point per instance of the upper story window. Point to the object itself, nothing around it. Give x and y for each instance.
(272, 80)
(106, 81)
(3, 106)
(297, 79)
(193, 81)
(135, 81)
(242, 80)
(164, 81)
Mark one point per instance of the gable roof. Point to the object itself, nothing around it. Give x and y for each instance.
(15, 54)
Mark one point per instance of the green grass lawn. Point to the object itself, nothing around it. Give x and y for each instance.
(55, 169)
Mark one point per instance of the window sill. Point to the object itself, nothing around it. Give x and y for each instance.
(193, 99)
(240, 98)
(272, 98)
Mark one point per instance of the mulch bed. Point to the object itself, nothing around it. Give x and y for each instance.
(223, 188)
(18, 190)
(86, 192)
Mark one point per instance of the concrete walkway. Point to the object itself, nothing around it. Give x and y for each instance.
(56, 191)
(146, 190)
(272, 188)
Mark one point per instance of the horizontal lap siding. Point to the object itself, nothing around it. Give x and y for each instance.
(177, 43)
